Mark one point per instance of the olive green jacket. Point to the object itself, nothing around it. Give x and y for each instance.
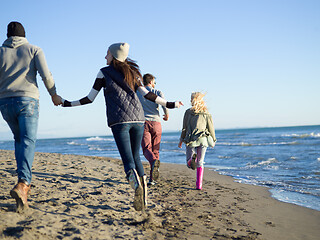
(198, 129)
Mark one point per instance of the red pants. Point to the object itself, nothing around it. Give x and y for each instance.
(151, 140)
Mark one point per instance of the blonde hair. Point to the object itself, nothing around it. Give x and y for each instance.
(198, 103)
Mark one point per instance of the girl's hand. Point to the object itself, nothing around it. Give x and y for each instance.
(180, 144)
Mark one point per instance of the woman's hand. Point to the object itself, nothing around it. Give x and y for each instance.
(178, 104)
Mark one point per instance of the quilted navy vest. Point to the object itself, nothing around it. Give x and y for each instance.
(123, 104)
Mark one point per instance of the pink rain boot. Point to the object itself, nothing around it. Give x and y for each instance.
(199, 178)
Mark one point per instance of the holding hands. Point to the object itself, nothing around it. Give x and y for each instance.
(56, 99)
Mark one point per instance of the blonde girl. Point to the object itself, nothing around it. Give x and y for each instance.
(198, 134)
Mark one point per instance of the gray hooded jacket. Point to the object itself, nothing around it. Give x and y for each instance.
(19, 64)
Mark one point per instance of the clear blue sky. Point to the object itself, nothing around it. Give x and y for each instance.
(258, 61)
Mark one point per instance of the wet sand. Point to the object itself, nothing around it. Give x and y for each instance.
(80, 197)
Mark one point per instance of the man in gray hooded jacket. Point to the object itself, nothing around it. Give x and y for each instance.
(19, 101)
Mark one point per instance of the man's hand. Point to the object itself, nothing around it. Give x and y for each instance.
(56, 99)
(166, 117)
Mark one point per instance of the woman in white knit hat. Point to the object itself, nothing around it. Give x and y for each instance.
(120, 81)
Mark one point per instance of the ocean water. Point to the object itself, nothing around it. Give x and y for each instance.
(285, 159)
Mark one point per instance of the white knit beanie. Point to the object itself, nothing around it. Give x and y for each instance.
(119, 51)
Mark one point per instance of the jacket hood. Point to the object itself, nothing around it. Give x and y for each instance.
(14, 42)
(199, 113)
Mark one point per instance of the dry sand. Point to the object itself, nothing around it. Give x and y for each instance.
(80, 197)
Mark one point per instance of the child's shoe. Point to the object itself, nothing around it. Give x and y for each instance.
(192, 162)
(199, 178)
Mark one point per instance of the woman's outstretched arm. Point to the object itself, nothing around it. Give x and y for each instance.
(98, 84)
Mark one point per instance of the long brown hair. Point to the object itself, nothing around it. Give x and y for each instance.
(131, 71)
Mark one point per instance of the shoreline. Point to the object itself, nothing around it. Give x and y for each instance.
(252, 168)
(83, 197)
(269, 189)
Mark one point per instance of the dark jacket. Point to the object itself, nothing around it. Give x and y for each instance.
(123, 104)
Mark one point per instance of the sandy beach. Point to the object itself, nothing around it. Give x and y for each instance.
(80, 197)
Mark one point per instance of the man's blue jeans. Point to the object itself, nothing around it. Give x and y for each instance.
(128, 138)
(22, 114)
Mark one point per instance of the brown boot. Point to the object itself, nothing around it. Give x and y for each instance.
(20, 194)
(154, 174)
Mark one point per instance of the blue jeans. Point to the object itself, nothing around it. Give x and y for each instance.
(22, 114)
(128, 138)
